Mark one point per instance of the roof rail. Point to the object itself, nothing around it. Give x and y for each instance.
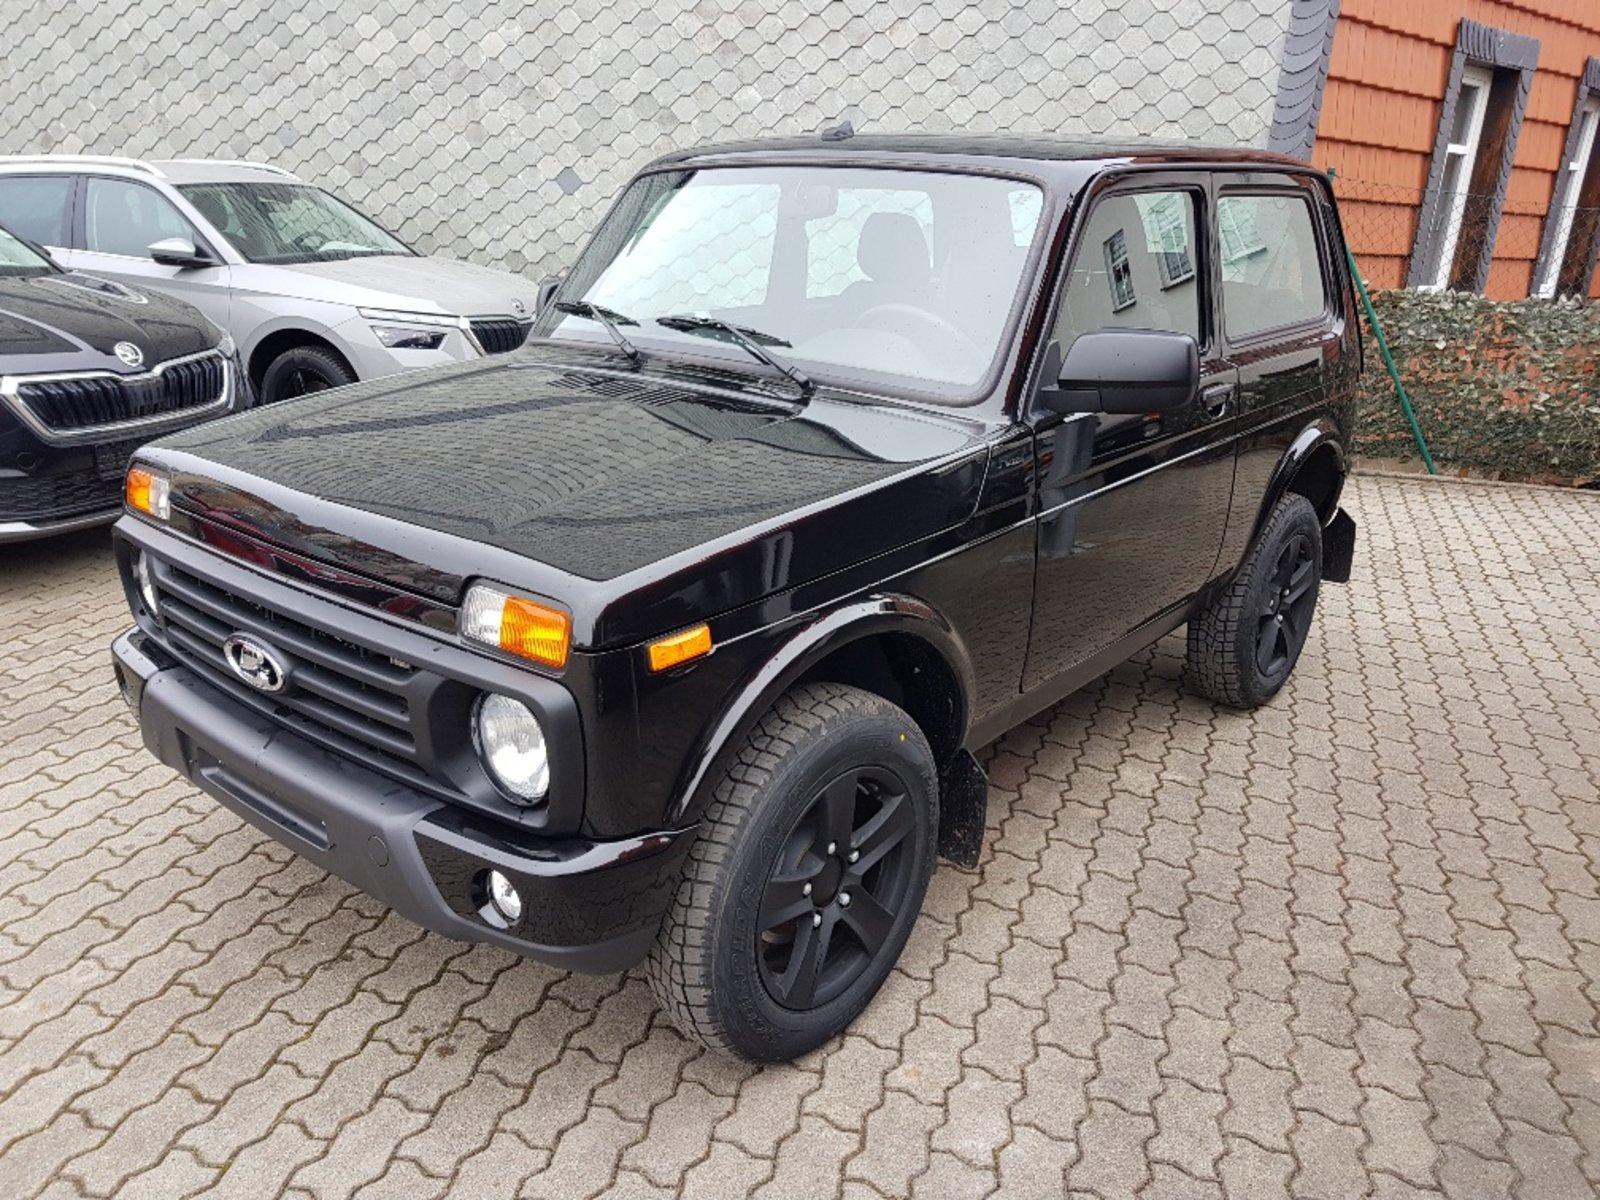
(99, 160)
(235, 162)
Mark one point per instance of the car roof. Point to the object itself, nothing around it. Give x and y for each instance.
(169, 170)
(1086, 155)
(213, 170)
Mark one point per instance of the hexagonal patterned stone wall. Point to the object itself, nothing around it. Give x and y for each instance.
(499, 130)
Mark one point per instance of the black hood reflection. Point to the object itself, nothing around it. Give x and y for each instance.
(64, 322)
(594, 473)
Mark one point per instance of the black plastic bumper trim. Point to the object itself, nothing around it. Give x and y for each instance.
(588, 905)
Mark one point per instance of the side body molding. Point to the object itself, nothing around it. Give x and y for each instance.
(808, 642)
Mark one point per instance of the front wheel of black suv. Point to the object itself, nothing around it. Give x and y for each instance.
(806, 878)
(1245, 643)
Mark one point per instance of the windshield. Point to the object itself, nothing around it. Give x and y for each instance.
(876, 277)
(18, 258)
(289, 222)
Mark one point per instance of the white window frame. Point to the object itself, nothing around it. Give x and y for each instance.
(1569, 186)
(1453, 209)
(1166, 235)
(1119, 272)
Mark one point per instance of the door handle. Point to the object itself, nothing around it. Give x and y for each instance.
(1217, 399)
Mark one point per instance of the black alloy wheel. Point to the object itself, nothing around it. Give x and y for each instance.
(1286, 619)
(303, 371)
(832, 896)
(805, 877)
(1245, 641)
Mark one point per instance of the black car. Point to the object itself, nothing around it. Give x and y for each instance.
(672, 635)
(90, 369)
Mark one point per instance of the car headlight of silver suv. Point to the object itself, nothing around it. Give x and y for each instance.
(409, 331)
(397, 337)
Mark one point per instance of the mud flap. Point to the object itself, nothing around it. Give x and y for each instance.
(1338, 548)
(963, 805)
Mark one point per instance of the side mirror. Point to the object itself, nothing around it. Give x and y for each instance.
(179, 252)
(548, 287)
(1126, 371)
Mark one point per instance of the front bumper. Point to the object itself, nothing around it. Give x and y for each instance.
(22, 531)
(587, 905)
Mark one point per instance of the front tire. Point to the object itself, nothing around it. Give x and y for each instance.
(302, 371)
(1244, 645)
(808, 874)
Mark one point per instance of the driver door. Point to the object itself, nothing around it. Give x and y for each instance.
(1132, 507)
(118, 220)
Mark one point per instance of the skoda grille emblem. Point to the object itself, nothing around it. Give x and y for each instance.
(518, 307)
(129, 353)
(255, 663)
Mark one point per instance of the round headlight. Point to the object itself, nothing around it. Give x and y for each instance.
(147, 583)
(512, 747)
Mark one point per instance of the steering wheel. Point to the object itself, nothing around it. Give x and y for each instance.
(891, 318)
(309, 243)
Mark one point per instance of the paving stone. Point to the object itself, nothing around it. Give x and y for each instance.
(1325, 949)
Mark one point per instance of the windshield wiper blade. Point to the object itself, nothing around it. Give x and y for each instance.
(611, 320)
(752, 340)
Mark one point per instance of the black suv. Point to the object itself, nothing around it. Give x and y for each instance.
(672, 635)
(90, 369)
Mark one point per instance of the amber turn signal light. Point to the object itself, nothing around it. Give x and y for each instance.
(516, 625)
(148, 492)
(681, 647)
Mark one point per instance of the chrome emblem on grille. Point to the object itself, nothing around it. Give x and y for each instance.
(518, 307)
(255, 663)
(130, 354)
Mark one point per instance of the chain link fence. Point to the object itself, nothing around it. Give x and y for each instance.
(1468, 241)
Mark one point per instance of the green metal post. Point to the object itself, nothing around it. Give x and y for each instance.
(1388, 360)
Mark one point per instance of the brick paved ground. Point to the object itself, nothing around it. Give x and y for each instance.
(1348, 945)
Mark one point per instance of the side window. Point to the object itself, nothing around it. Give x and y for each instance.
(120, 217)
(1134, 268)
(36, 207)
(1271, 263)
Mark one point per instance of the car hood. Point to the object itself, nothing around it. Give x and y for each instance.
(640, 502)
(71, 322)
(404, 283)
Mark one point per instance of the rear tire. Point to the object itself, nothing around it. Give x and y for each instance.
(773, 945)
(303, 371)
(1244, 645)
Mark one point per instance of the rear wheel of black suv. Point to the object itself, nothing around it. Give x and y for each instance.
(806, 878)
(302, 371)
(1243, 647)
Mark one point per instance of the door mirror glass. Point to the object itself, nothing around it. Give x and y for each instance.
(1126, 371)
(548, 286)
(179, 252)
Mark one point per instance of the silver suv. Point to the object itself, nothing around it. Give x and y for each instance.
(315, 293)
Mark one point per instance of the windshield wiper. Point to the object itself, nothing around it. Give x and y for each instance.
(607, 317)
(752, 340)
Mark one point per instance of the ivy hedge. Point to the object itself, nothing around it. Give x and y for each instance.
(1509, 389)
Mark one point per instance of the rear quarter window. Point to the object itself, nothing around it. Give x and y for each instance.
(36, 207)
(1272, 274)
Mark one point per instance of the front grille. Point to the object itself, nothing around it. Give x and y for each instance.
(340, 694)
(46, 497)
(73, 405)
(499, 334)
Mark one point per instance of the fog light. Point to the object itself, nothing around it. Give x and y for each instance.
(147, 583)
(503, 895)
(512, 746)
